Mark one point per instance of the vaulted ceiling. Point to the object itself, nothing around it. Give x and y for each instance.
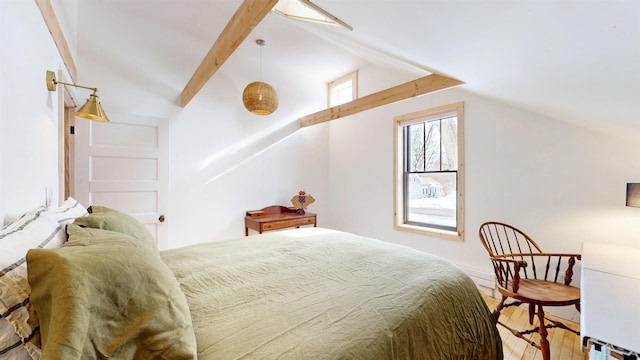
(576, 61)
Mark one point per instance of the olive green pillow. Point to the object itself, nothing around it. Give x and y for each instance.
(106, 294)
(101, 217)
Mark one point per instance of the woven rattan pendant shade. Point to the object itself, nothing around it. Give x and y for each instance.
(260, 98)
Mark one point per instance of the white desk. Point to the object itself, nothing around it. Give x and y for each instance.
(610, 296)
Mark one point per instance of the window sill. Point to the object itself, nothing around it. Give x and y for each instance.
(445, 234)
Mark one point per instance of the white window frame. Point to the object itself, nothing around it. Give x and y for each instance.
(341, 83)
(398, 184)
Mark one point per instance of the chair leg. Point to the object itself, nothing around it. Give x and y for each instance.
(544, 343)
(532, 312)
(498, 309)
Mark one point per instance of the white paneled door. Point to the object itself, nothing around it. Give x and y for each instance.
(123, 164)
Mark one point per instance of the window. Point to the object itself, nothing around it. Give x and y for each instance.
(429, 174)
(343, 90)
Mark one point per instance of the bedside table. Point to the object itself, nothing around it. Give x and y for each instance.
(276, 217)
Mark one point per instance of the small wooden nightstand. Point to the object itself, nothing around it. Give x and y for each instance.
(276, 217)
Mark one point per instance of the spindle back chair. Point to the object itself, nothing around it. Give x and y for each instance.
(529, 276)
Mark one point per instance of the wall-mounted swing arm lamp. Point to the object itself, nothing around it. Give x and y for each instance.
(91, 110)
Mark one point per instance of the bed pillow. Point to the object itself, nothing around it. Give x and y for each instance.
(64, 214)
(102, 217)
(107, 293)
(68, 211)
(19, 332)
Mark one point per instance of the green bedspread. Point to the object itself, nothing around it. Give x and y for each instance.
(321, 294)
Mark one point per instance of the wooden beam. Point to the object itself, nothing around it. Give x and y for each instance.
(55, 30)
(246, 18)
(421, 86)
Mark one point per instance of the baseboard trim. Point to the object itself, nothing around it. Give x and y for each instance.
(484, 281)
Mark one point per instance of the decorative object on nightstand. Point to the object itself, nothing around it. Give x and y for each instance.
(301, 201)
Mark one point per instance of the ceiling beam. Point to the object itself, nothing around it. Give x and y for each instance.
(421, 86)
(246, 18)
(55, 30)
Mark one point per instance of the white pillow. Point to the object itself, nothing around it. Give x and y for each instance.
(65, 214)
(19, 332)
(68, 211)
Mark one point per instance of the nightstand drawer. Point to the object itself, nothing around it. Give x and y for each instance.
(275, 225)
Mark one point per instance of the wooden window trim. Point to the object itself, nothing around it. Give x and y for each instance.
(353, 77)
(398, 200)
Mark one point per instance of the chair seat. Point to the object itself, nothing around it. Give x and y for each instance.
(547, 293)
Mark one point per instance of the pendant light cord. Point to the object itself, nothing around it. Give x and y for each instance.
(260, 43)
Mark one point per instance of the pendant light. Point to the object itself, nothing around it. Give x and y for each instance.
(258, 97)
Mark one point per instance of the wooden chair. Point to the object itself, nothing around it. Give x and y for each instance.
(529, 276)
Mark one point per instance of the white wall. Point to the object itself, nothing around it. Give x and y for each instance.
(28, 111)
(560, 183)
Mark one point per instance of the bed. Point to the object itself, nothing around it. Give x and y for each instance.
(308, 293)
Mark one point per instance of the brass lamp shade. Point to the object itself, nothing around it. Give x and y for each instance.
(260, 98)
(92, 109)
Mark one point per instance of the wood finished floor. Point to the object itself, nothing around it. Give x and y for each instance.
(565, 345)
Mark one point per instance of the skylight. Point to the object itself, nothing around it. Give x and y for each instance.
(305, 10)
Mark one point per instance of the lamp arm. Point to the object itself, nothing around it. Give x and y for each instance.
(76, 85)
(52, 82)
